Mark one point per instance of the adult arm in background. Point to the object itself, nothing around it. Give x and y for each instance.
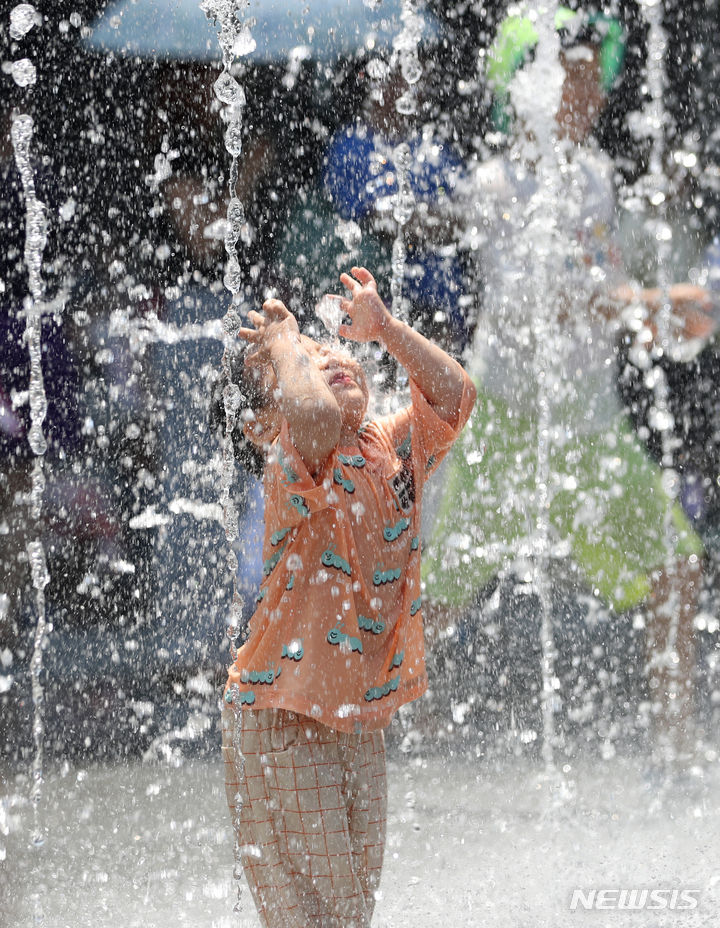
(690, 305)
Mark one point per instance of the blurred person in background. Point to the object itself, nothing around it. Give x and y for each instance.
(349, 211)
(608, 507)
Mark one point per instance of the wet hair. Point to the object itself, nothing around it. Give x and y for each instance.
(252, 398)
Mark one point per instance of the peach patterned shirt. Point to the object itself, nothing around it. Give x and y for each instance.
(337, 634)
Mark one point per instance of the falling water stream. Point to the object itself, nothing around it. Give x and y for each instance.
(235, 40)
(654, 187)
(544, 235)
(22, 20)
(407, 44)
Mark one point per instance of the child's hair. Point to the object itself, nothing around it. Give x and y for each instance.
(247, 454)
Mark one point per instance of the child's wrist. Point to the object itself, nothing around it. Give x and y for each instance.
(385, 327)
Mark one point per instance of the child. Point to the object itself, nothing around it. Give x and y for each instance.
(336, 643)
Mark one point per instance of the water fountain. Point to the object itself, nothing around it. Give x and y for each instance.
(22, 19)
(546, 218)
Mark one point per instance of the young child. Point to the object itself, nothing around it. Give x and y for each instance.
(336, 643)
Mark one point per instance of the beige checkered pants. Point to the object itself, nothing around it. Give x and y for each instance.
(311, 825)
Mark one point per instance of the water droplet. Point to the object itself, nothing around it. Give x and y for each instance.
(402, 157)
(350, 233)
(233, 274)
(23, 72)
(67, 210)
(22, 18)
(403, 207)
(22, 130)
(228, 90)
(232, 322)
(236, 220)
(406, 104)
(233, 139)
(330, 313)
(232, 397)
(378, 69)
(411, 69)
(38, 565)
(244, 44)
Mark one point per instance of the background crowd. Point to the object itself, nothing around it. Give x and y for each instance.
(130, 161)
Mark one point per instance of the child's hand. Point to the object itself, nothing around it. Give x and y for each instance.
(368, 314)
(276, 326)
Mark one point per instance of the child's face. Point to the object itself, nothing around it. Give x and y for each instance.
(583, 97)
(347, 381)
(342, 373)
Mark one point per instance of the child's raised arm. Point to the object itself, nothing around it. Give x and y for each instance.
(440, 378)
(299, 390)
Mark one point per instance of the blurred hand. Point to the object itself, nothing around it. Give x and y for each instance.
(691, 307)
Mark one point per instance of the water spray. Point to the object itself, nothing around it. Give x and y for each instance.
(235, 40)
(22, 19)
(653, 188)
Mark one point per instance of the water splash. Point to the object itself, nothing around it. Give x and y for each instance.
(149, 330)
(235, 40)
(405, 50)
(544, 236)
(22, 20)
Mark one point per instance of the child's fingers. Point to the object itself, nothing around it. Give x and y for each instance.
(345, 330)
(363, 275)
(249, 335)
(347, 281)
(276, 308)
(256, 318)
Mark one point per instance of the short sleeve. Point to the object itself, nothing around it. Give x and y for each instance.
(435, 436)
(291, 493)
(419, 430)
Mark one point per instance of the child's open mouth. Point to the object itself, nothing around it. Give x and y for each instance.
(340, 377)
